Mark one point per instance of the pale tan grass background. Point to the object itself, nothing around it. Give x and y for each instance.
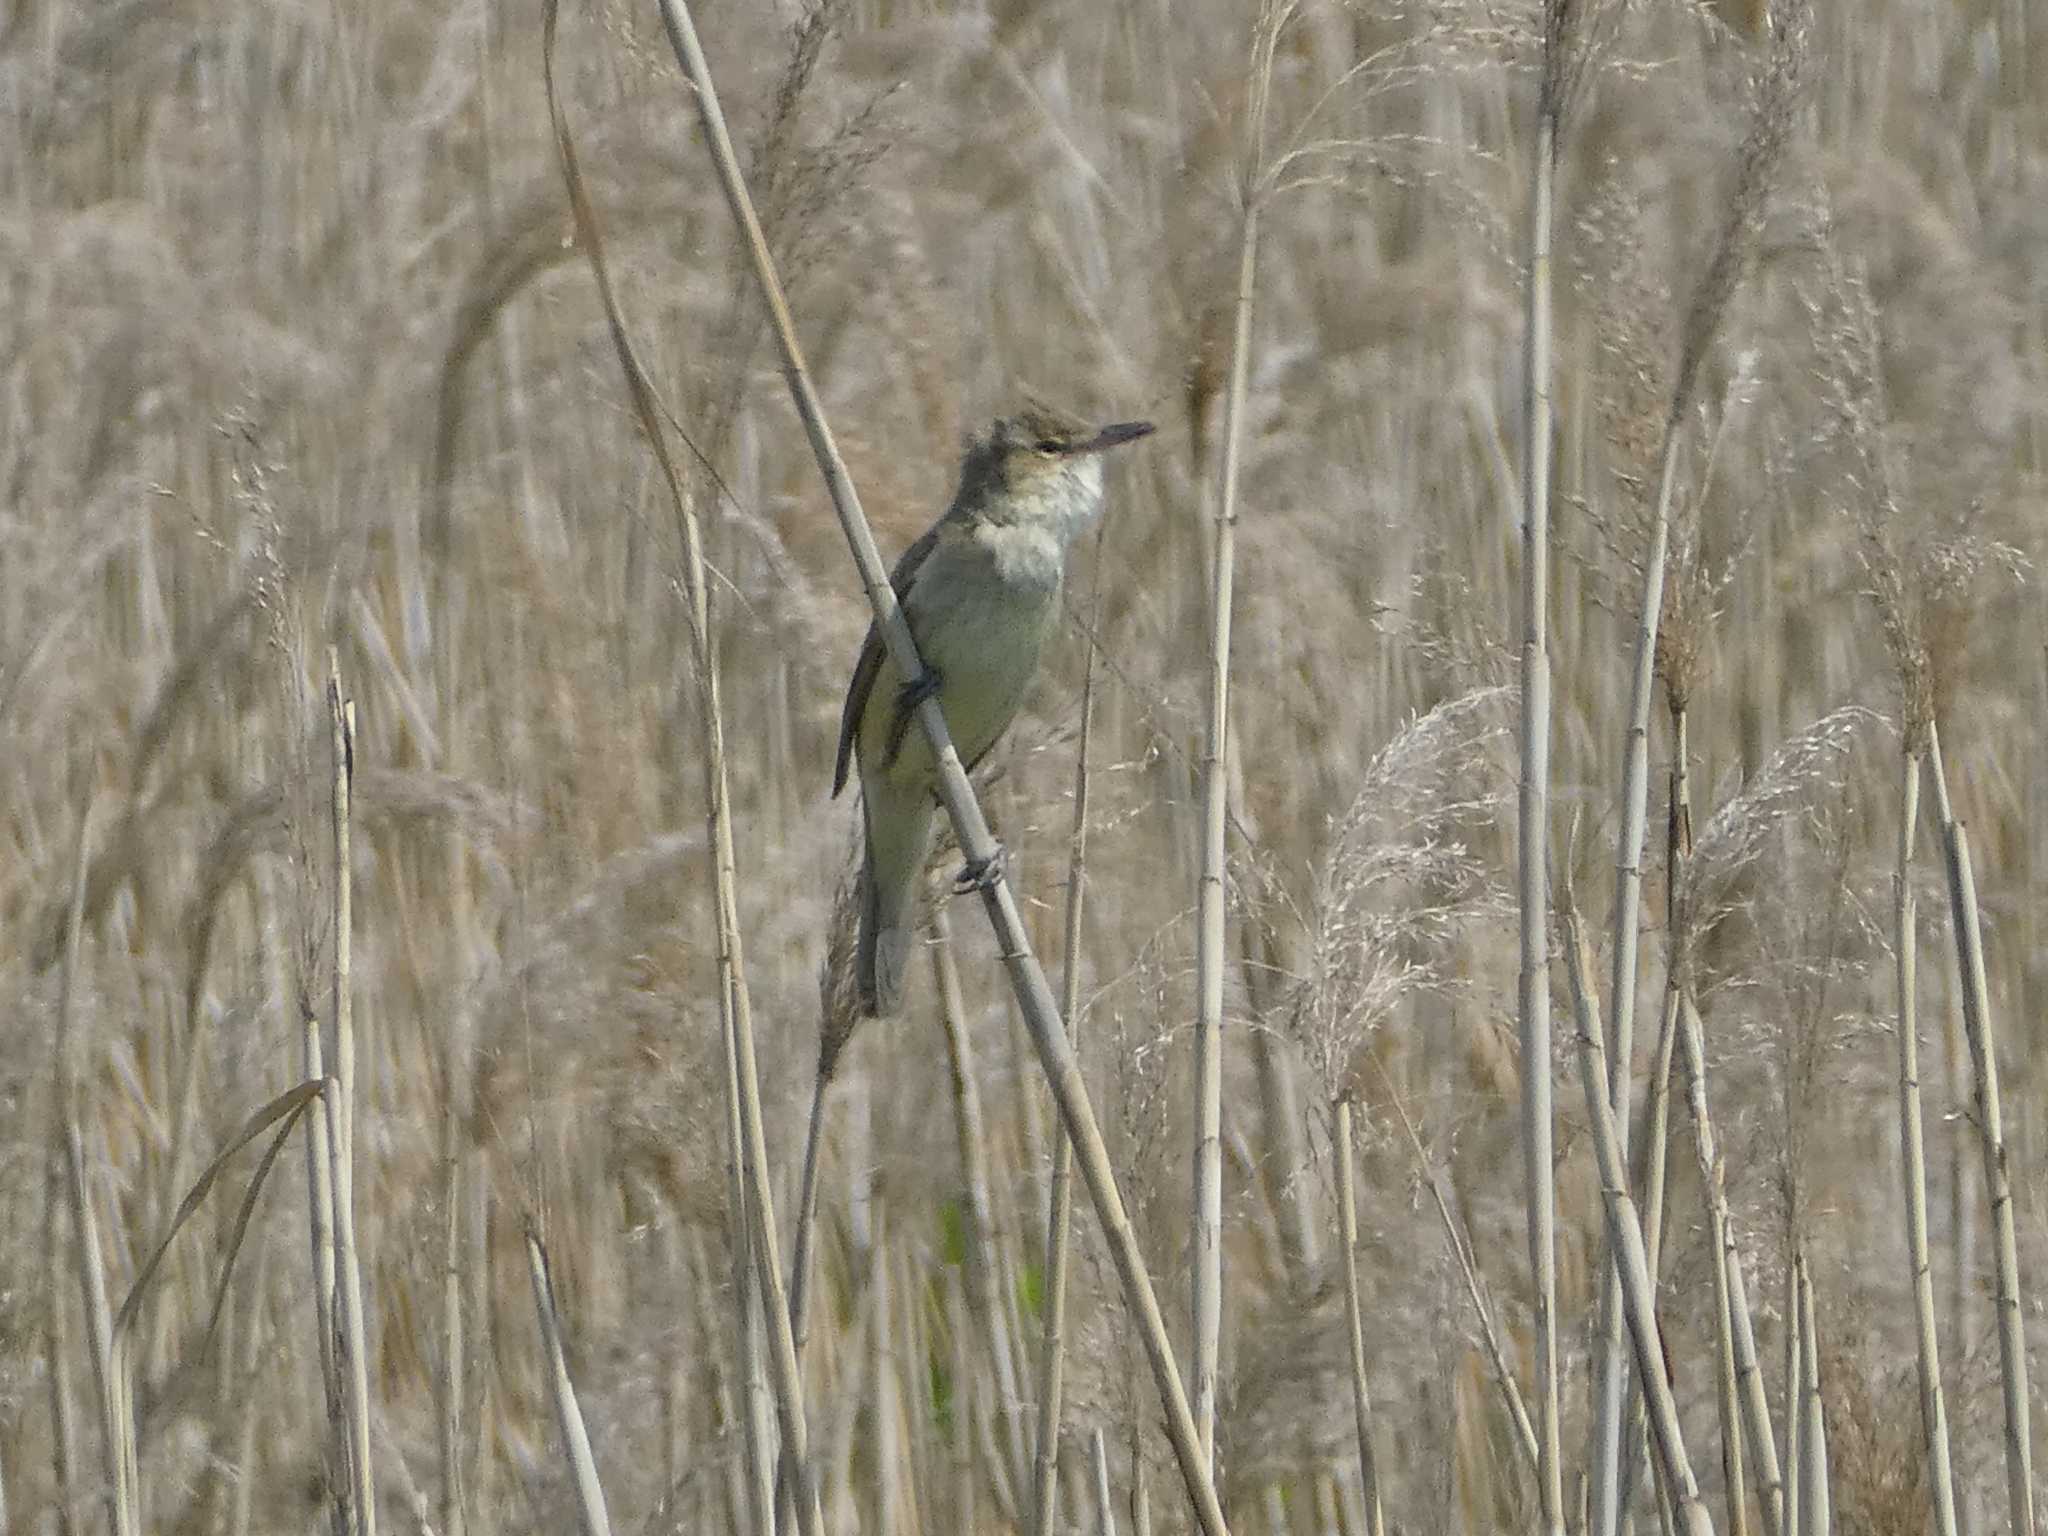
(297, 352)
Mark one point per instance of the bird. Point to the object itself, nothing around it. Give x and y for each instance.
(981, 592)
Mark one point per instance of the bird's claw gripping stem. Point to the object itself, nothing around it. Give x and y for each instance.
(982, 874)
(913, 693)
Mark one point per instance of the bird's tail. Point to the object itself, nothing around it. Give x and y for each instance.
(891, 877)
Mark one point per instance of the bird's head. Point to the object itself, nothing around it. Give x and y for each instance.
(1043, 463)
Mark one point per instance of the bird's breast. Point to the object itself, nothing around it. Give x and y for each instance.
(980, 608)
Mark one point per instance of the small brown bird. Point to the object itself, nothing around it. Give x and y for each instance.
(981, 592)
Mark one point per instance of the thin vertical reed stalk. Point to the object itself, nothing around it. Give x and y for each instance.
(769, 1498)
(736, 1006)
(802, 1259)
(1206, 1221)
(1816, 1513)
(1654, 1152)
(1361, 1396)
(1650, 1179)
(458, 1099)
(1962, 1206)
(1206, 1261)
(590, 1506)
(131, 1514)
(1625, 1233)
(1141, 1488)
(1034, 997)
(1794, 1400)
(1105, 1511)
(1913, 1156)
(1533, 841)
(1745, 1405)
(320, 1221)
(453, 1352)
(341, 1110)
(1749, 1376)
(981, 1236)
(1060, 1202)
(1725, 1395)
(1610, 1374)
(2012, 1340)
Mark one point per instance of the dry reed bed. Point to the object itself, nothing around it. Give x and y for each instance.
(298, 355)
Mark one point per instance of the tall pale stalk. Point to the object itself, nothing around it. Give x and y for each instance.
(1206, 1262)
(320, 1233)
(1611, 1368)
(802, 1259)
(1678, 931)
(1034, 997)
(1962, 1204)
(1651, 1177)
(750, 1348)
(1361, 1396)
(1913, 1157)
(590, 1504)
(1745, 1404)
(1725, 1388)
(1533, 843)
(457, 1106)
(1794, 1399)
(1105, 1511)
(1059, 1206)
(1816, 1516)
(2012, 1340)
(1752, 1392)
(340, 1108)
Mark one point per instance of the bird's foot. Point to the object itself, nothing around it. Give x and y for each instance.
(924, 686)
(982, 874)
(912, 694)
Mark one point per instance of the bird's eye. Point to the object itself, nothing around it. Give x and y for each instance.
(1048, 446)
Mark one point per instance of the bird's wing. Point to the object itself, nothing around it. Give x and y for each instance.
(869, 667)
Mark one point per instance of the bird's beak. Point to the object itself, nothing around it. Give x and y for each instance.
(1114, 436)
